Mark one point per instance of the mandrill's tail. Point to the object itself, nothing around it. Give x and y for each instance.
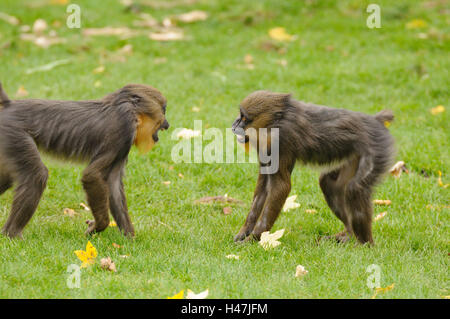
(4, 99)
(385, 117)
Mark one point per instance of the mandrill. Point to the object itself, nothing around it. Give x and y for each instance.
(99, 132)
(354, 150)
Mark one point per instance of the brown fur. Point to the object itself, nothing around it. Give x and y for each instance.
(100, 132)
(355, 148)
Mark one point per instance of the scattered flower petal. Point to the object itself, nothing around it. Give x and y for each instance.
(167, 36)
(300, 271)
(88, 256)
(440, 183)
(382, 290)
(398, 168)
(112, 224)
(21, 92)
(39, 26)
(380, 216)
(70, 212)
(310, 211)
(270, 240)
(83, 205)
(290, 203)
(201, 295)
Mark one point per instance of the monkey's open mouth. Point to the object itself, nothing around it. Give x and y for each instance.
(155, 136)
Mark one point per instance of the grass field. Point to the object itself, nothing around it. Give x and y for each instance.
(334, 60)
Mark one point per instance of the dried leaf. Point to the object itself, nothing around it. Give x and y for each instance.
(88, 256)
(167, 36)
(438, 109)
(147, 21)
(108, 31)
(280, 34)
(398, 168)
(178, 295)
(201, 295)
(382, 202)
(221, 199)
(382, 290)
(380, 216)
(300, 271)
(166, 183)
(21, 92)
(107, 264)
(282, 62)
(310, 211)
(290, 203)
(227, 210)
(416, 24)
(440, 183)
(9, 19)
(270, 240)
(70, 212)
(192, 16)
(116, 245)
(124, 256)
(231, 256)
(188, 133)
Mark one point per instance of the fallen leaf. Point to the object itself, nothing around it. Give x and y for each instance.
(282, 62)
(270, 240)
(116, 245)
(21, 92)
(290, 203)
(221, 199)
(10, 19)
(39, 26)
(231, 256)
(41, 40)
(147, 21)
(83, 205)
(88, 256)
(107, 264)
(99, 69)
(438, 109)
(48, 67)
(192, 16)
(166, 36)
(300, 271)
(112, 224)
(382, 202)
(70, 212)
(127, 49)
(398, 168)
(195, 109)
(177, 296)
(201, 295)
(124, 256)
(227, 210)
(280, 34)
(416, 24)
(382, 290)
(108, 31)
(380, 216)
(166, 182)
(440, 183)
(188, 133)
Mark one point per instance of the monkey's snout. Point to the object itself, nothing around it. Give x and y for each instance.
(165, 125)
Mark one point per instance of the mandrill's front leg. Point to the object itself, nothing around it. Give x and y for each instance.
(259, 198)
(279, 187)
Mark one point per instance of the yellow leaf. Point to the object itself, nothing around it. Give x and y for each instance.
(380, 216)
(300, 271)
(438, 109)
(178, 295)
(280, 34)
(416, 24)
(440, 183)
(88, 256)
(398, 168)
(112, 224)
(382, 290)
(382, 202)
(269, 240)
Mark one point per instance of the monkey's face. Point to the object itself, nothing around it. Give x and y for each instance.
(261, 109)
(151, 109)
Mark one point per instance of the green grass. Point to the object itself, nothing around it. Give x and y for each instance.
(180, 245)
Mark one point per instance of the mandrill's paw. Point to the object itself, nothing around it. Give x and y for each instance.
(94, 228)
(342, 237)
(242, 235)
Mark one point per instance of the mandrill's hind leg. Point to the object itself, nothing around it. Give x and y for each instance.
(5, 182)
(333, 187)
